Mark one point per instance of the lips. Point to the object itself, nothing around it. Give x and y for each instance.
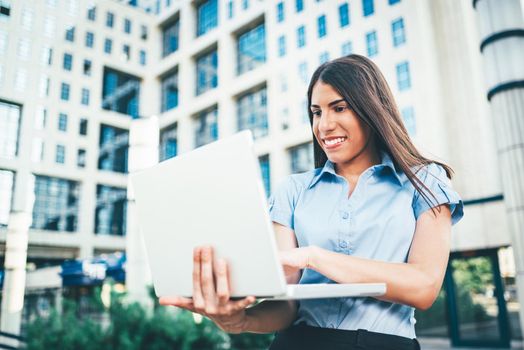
(334, 141)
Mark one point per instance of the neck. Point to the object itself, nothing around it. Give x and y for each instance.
(364, 159)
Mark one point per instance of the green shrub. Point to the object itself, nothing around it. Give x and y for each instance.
(132, 328)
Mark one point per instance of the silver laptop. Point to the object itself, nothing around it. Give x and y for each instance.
(215, 196)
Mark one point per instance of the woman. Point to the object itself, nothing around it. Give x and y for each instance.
(373, 210)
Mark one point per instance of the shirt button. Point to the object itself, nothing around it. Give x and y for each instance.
(343, 244)
(345, 215)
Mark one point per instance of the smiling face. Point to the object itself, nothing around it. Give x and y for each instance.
(337, 129)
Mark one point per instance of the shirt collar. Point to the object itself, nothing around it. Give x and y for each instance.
(386, 162)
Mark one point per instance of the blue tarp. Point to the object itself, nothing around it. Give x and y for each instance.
(89, 272)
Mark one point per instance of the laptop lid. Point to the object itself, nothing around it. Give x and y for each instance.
(213, 195)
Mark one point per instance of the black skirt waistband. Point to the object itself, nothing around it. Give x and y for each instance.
(306, 337)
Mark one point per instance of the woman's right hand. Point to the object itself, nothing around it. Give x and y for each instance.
(211, 293)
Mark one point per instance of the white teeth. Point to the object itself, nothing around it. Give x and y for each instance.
(334, 141)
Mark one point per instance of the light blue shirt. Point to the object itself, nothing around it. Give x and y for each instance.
(376, 222)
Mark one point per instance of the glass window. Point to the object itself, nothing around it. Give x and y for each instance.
(305, 114)
(81, 158)
(252, 112)
(85, 97)
(9, 129)
(72, 7)
(126, 50)
(108, 45)
(251, 49)
(403, 76)
(56, 204)
(90, 38)
(408, 115)
(113, 146)
(3, 41)
(324, 57)
(82, 127)
(372, 43)
(168, 142)
(127, 26)
(368, 7)
(283, 82)
(170, 35)
(393, 2)
(64, 92)
(299, 5)
(47, 56)
(207, 16)
(68, 61)
(343, 15)
(281, 46)
(7, 180)
(27, 19)
(87, 67)
(280, 12)
(301, 36)
(302, 72)
(91, 13)
(37, 153)
(321, 26)
(245, 4)
(44, 86)
(60, 154)
(120, 92)
(110, 19)
(264, 169)
(397, 30)
(142, 58)
(24, 49)
(347, 48)
(5, 9)
(20, 79)
(143, 32)
(70, 34)
(206, 72)
(111, 210)
(206, 127)
(49, 27)
(170, 91)
(301, 158)
(230, 9)
(40, 118)
(62, 122)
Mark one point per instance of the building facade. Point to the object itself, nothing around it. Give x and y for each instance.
(74, 74)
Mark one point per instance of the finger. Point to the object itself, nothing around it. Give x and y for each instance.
(183, 303)
(242, 304)
(175, 301)
(206, 278)
(221, 277)
(198, 299)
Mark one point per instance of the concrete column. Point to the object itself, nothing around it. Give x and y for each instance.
(15, 274)
(502, 34)
(143, 153)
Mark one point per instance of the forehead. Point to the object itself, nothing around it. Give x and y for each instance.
(323, 93)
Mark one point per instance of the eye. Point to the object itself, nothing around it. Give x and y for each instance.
(316, 113)
(340, 109)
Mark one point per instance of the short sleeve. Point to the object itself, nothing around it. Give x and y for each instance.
(435, 178)
(282, 202)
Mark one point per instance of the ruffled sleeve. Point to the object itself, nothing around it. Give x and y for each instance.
(282, 202)
(434, 177)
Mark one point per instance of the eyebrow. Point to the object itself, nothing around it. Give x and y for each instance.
(332, 103)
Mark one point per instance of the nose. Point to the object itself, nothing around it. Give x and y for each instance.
(327, 123)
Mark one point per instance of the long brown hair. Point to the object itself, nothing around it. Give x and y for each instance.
(359, 81)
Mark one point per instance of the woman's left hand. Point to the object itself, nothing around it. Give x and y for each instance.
(294, 260)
